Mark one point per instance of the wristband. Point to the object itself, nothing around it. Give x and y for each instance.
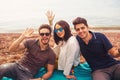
(42, 79)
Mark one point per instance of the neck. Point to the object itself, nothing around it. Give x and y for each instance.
(87, 39)
(43, 46)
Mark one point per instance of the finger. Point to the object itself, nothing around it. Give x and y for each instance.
(53, 16)
(31, 30)
(47, 13)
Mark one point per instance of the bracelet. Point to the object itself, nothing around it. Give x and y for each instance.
(42, 79)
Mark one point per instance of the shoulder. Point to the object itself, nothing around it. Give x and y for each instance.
(51, 52)
(30, 42)
(72, 41)
(100, 35)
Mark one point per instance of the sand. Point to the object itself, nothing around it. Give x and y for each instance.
(7, 38)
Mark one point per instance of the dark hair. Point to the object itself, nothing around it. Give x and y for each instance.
(79, 20)
(67, 30)
(45, 26)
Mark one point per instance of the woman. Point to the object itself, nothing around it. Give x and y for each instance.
(69, 49)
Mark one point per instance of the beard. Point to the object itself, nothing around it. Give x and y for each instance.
(45, 41)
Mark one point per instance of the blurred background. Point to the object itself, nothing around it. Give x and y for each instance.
(17, 15)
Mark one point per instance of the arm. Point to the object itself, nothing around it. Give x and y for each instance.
(50, 17)
(50, 69)
(114, 52)
(17, 44)
(82, 59)
(50, 65)
(73, 54)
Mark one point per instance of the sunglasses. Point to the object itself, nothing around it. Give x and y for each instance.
(56, 30)
(46, 34)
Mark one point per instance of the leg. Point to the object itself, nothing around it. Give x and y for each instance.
(116, 73)
(22, 74)
(7, 70)
(101, 75)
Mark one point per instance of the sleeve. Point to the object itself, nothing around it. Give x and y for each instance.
(52, 58)
(72, 50)
(26, 43)
(29, 43)
(107, 44)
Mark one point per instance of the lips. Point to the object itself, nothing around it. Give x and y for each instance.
(45, 39)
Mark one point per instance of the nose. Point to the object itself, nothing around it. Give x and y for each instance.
(44, 36)
(59, 31)
(80, 30)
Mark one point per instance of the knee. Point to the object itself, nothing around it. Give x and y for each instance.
(5, 67)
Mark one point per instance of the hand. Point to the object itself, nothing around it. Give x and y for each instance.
(36, 79)
(71, 76)
(27, 33)
(50, 16)
(119, 50)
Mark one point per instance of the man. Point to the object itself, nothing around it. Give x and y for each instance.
(38, 54)
(98, 52)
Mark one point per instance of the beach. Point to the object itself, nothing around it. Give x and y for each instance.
(7, 38)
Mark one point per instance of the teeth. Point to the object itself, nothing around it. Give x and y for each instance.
(45, 39)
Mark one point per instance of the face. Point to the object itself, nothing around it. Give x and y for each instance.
(59, 31)
(82, 30)
(44, 36)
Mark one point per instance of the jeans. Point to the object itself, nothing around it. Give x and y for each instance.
(110, 73)
(14, 71)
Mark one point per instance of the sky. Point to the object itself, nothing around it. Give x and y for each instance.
(24, 13)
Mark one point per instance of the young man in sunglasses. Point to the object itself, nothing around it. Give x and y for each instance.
(38, 54)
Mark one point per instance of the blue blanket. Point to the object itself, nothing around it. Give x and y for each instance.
(82, 72)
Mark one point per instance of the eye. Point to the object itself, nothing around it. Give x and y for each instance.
(77, 29)
(82, 27)
(56, 30)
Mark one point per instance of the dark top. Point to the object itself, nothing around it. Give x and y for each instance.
(96, 51)
(35, 58)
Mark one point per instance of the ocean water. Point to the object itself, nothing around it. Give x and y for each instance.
(17, 16)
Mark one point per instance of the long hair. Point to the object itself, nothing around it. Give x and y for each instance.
(67, 30)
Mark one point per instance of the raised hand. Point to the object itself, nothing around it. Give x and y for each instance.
(50, 17)
(28, 32)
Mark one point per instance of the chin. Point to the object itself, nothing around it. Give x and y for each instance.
(61, 36)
